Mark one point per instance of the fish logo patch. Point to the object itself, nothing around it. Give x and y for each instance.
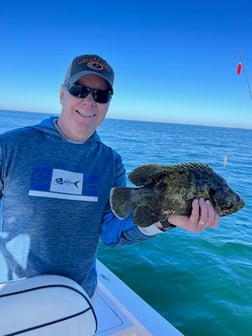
(64, 184)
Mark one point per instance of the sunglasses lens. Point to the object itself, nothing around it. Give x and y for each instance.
(79, 91)
(100, 96)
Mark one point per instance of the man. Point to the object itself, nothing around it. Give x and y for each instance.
(55, 184)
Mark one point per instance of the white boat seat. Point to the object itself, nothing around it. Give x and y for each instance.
(45, 305)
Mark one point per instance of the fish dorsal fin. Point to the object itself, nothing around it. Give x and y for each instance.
(190, 165)
(144, 174)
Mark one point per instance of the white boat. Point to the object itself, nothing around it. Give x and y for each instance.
(57, 306)
(126, 313)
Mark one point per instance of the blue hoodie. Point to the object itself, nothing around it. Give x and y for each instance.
(55, 204)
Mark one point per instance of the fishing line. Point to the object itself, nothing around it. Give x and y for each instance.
(241, 68)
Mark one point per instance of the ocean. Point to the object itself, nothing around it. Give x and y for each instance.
(201, 283)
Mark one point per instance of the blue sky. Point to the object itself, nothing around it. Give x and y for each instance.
(175, 61)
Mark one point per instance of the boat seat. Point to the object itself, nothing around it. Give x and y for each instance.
(45, 305)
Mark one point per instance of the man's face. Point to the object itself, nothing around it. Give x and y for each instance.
(81, 116)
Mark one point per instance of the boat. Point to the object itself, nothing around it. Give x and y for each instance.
(52, 305)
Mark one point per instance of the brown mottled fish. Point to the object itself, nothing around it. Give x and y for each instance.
(169, 190)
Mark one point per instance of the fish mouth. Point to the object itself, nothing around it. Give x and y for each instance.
(85, 115)
(234, 207)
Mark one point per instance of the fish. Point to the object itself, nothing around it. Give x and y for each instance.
(162, 191)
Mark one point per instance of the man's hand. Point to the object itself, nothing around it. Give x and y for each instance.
(203, 216)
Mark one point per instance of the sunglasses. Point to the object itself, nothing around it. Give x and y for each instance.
(80, 91)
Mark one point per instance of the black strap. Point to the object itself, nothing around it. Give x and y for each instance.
(166, 224)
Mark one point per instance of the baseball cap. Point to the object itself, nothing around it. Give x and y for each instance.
(89, 65)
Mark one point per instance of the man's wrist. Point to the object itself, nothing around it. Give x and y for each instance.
(166, 225)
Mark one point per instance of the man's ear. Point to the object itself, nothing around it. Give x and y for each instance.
(62, 92)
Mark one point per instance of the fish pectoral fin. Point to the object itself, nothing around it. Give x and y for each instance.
(144, 174)
(144, 216)
(122, 201)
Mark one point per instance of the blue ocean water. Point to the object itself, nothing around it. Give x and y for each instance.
(201, 283)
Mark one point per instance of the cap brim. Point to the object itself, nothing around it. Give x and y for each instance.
(73, 79)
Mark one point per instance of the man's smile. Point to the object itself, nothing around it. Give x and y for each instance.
(86, 115)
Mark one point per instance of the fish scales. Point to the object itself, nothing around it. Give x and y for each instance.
(163, 191)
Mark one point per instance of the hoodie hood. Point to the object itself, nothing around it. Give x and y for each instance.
(49, 126)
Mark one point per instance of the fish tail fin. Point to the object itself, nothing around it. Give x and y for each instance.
(122, 201)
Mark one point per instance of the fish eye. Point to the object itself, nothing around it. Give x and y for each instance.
(238, 198)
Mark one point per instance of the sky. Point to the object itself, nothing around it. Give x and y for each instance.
(174, 61)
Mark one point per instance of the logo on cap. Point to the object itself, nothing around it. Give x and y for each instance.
(95, 66)
(94, 63)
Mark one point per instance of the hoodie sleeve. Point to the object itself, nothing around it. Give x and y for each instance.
(117, 233)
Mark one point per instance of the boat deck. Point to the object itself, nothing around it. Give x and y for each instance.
(121, 312)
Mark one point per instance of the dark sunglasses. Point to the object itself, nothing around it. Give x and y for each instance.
(80, 91)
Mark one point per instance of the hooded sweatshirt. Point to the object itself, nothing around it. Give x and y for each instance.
(55, 204)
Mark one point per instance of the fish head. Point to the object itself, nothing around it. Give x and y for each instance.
(225, 200)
